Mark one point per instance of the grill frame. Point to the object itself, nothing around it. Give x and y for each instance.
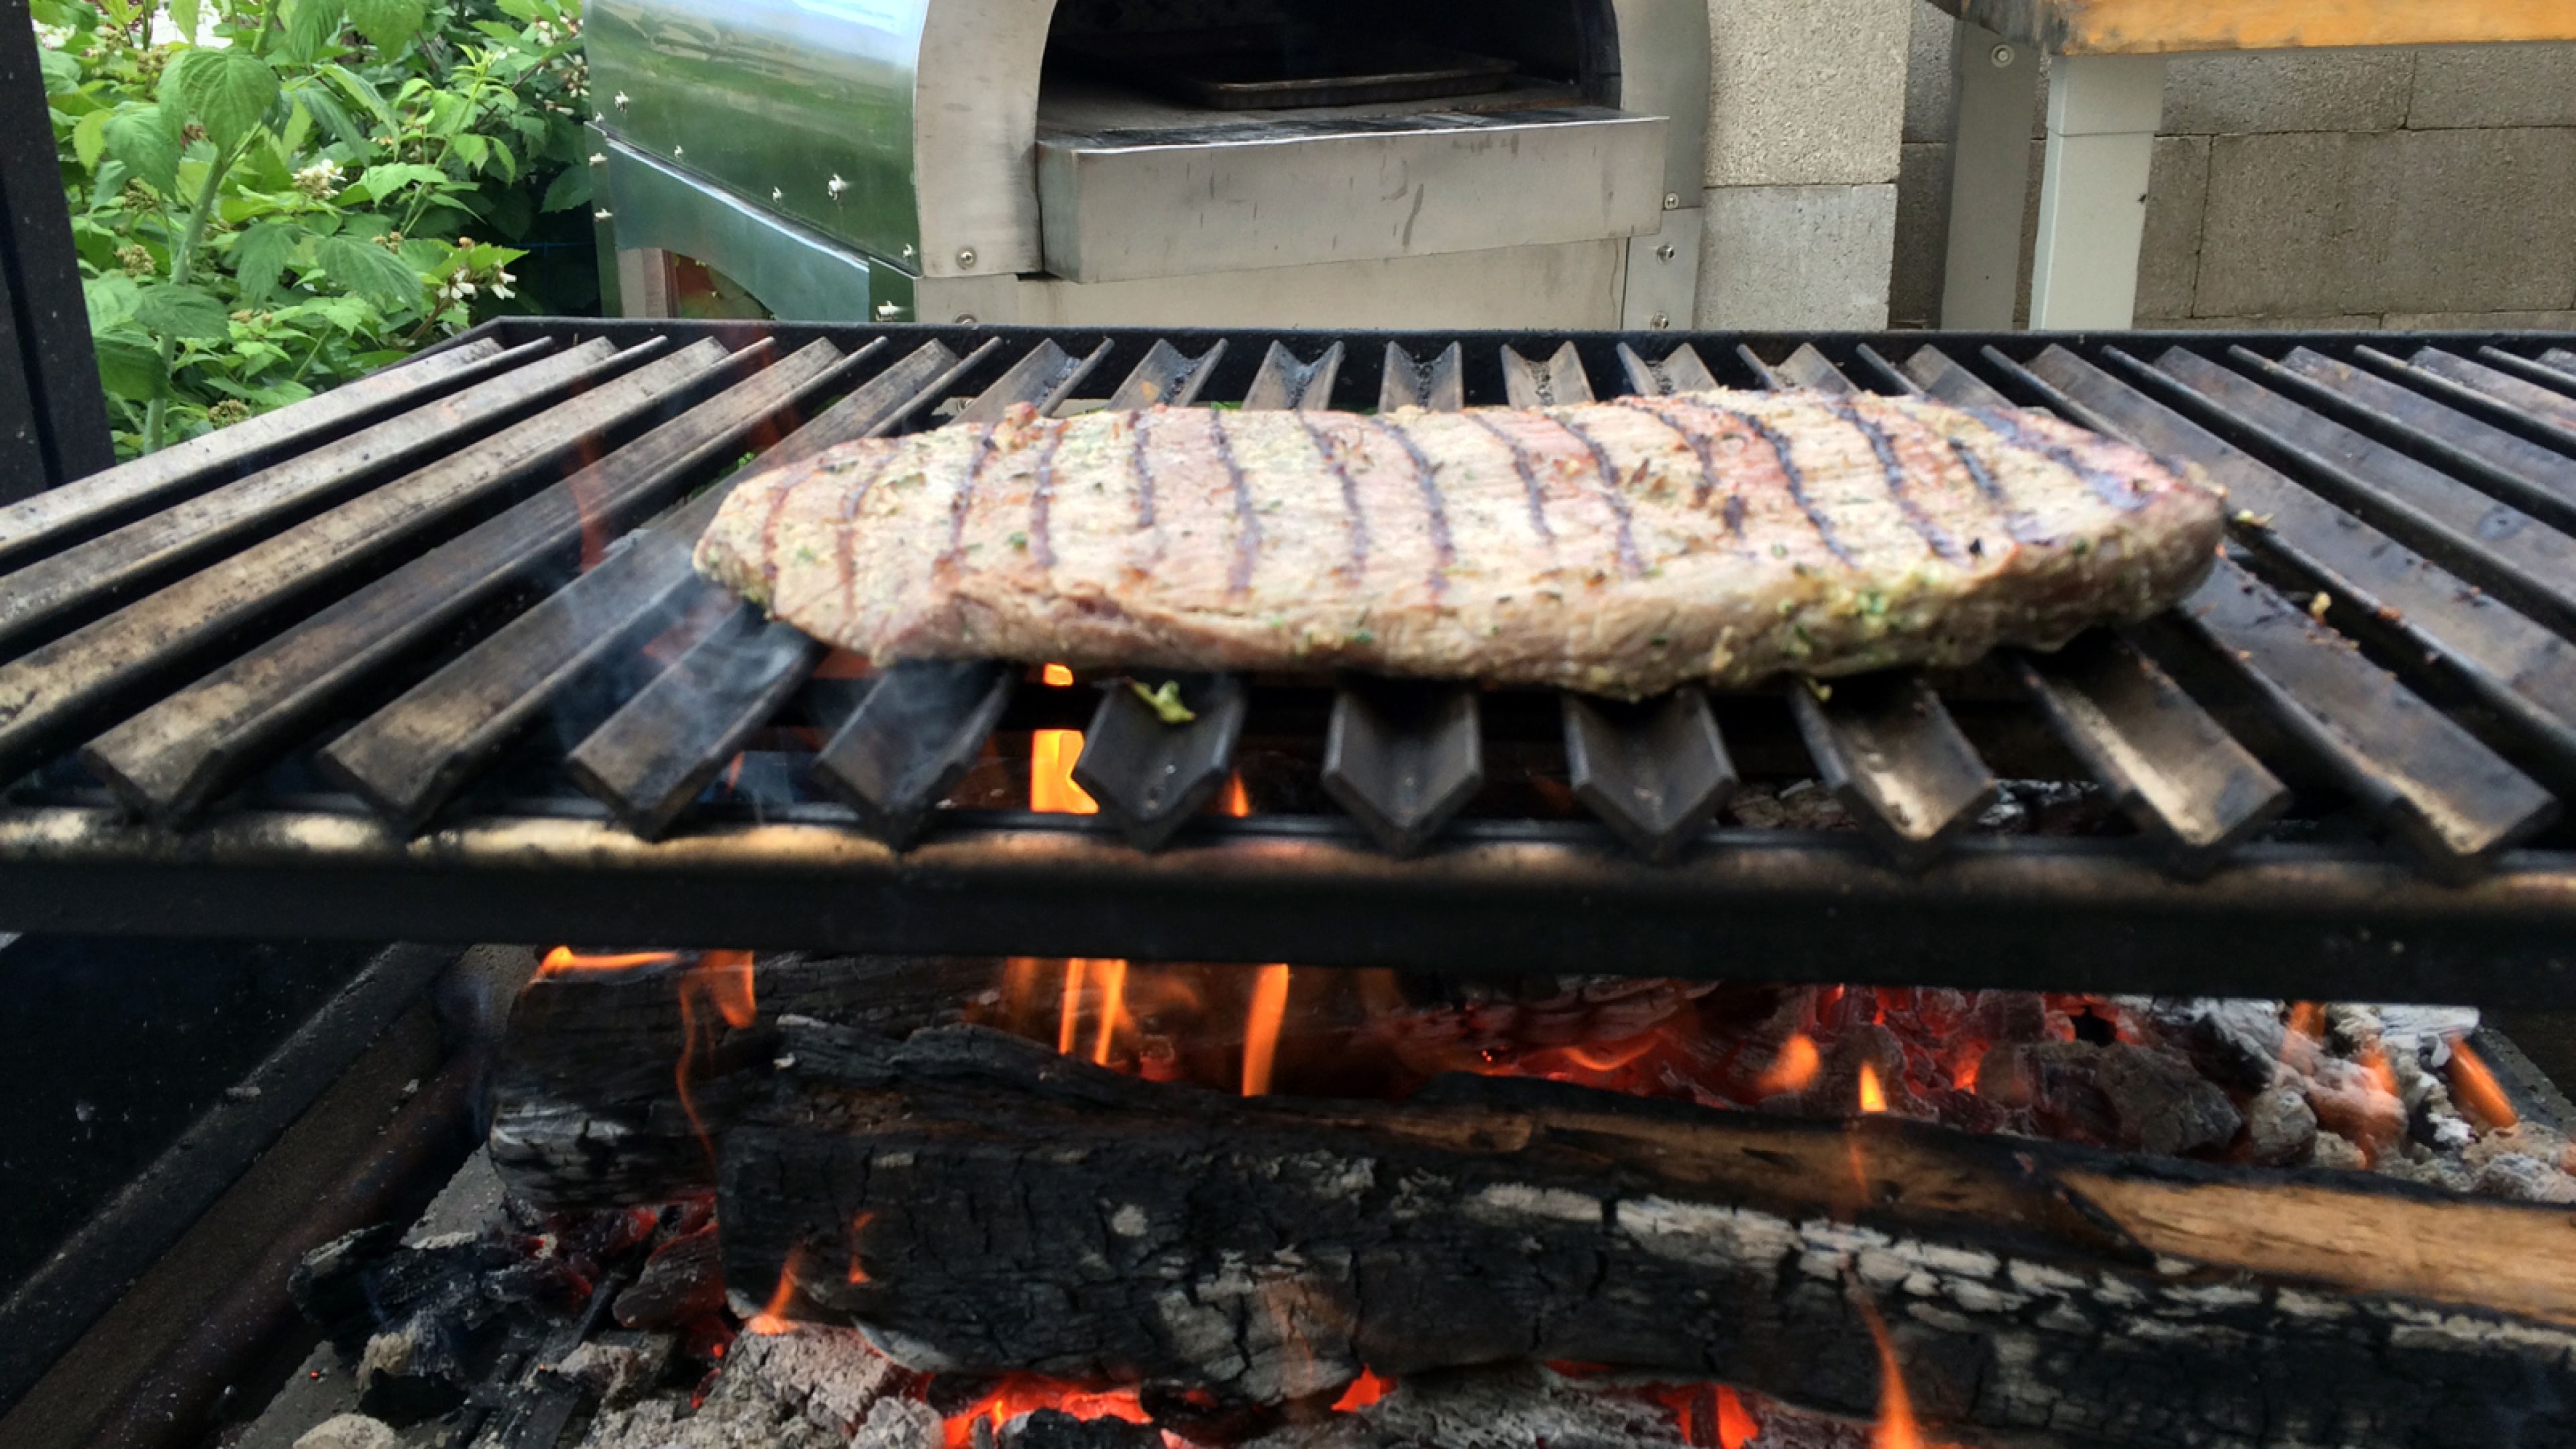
(2352, 920)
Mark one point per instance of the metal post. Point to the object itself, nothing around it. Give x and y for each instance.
(1989, 179)
(53, 418)
(2102, 117)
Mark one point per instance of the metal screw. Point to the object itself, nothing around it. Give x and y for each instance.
(965, 319)
(2003, 56)
(1672, 201)
(887, 311)
(965, 256)
(1659, 321)
(1666, 252)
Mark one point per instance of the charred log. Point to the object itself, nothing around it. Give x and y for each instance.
(981, 1204)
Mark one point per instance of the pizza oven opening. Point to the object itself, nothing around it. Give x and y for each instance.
(1419, 163)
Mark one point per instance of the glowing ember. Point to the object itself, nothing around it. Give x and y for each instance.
(1736, 1425)
(1056, 675)
(1873, 1097)
(1363, 1391)
(2476, 1091)
(1261, 1028)
(2374, 1060)
(1797, 1066)
(1027, 1393)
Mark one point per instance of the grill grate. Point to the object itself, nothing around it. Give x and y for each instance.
(241, 679)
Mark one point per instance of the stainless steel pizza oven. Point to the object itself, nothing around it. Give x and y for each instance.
(1431, 163)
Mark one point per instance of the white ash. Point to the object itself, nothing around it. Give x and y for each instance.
(810, 1387)
(619, 1373)
(350, 1431)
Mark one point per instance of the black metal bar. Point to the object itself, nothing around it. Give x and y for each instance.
(666, 744)
(75, 510)
(651, 758)
(2523, 670)
(40, 286)
(1284, 384)
(1895, 759)
(2279, 920)
(73, 583)
(1944, 378)
(2531, 565)
(2554, 379)
(2451, 797)
(1402, 757)
(1806, 367)
(85, 1276)
(2538, 479)
(2167, 764)
(1149, 775)
(410, 757)
(912, 737)
(1168, 377)
(2526, 402)
(1894, 375)
(2561, 359)
(175, 757)
(1679, 370)
(67, 685)
(24, 467)
(1439, 385)
(1654, 771)
(1559, 380)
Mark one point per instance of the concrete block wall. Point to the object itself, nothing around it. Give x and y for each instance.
(2401, 188)
(1806, 118)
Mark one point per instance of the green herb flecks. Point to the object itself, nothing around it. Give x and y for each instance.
(1164, 700)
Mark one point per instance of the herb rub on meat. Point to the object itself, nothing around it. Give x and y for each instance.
(1619, 548)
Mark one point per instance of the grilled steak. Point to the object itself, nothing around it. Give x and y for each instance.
(1618, 548)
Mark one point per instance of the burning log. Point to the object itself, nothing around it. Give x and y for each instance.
(982, 1204)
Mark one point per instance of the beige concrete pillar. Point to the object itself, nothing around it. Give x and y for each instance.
(1806, 113)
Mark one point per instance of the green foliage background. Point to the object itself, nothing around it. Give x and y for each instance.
(296, 192)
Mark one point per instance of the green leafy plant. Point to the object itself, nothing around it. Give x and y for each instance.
(273, 196)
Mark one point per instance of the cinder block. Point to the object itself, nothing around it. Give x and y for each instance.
(2494, 85)
(1784, 257)
(2482, 321)
(2403, 221)
(1931, 90)
(1917, 276)
(2287, 90)
(2337, 323)
(1806, 92)
(2177, 201)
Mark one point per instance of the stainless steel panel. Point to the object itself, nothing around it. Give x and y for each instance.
(1663, 275)
(1124, 205)
(1663, 71)
(1567, 286)
(797, 274)
(805, 105)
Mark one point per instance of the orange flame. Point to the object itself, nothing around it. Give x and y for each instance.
(1057, 675)
(2308, 1018)
(1797, 1065)
(564, 960)
(772, 1318)
(1363, 1391)
(1019, 1394)
(1069, 1026)
(1261, 1028)
(1236, 801)
(1019, 991)
(726, 976)
(1873, 1097)
(2477, 1092)
(725, 980)
(1610, 1057)
(1895, 1428)
(858, 1225)
(1051, 757)
(2374, 1060)
(1113, 1004)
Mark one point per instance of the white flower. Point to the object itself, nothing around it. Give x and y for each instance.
(501, 281)
(53, 37)
(319, 180)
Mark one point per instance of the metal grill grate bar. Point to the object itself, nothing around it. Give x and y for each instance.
(2524, 473)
